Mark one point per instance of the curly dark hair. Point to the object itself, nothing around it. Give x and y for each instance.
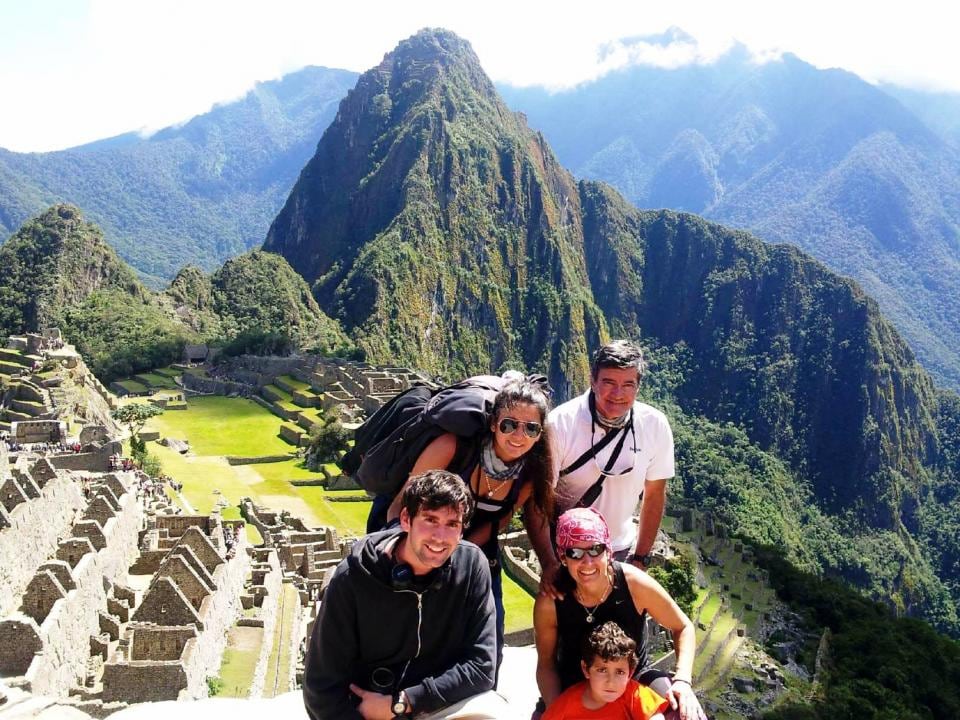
(609, 642)
(435, 489)
(538, 462)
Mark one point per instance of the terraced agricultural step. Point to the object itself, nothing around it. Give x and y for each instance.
(306, 398)
(14, 416)
(154, 380)
(9, 368)
(168, 372)
(128, 387)
(290, 384)
(308, 421)
(12, 356)
(285, 409)
(291, 433)
(29, 407)
(722, 664)
(268, 405)
(27, 390)
(712, 643)
(707, 611)
(275, 394)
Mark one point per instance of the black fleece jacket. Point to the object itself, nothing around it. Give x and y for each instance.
(438, 641)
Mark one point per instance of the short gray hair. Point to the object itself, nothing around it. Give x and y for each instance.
(618, 354)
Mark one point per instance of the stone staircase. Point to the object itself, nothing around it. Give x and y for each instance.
(297, 403)
(25, 400)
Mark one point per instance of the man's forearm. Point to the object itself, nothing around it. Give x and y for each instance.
(538, 530)
(685, 643)
(325, 700)
(651, 514)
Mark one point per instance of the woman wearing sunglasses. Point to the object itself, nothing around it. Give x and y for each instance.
(507, 468)
(598, 589)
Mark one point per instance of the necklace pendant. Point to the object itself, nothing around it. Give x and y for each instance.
(589, 617)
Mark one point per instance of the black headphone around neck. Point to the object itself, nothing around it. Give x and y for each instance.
(402, 577)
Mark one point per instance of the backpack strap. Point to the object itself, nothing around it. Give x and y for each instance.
(593, 492)
(593, 450)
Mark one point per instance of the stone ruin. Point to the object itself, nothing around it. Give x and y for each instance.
(305, 554)
(306, 557)
(106, 596)
(46, 383)
(354, 388)
(196, 566)
(64, 552)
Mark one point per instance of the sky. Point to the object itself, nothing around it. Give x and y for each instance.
(73, 71)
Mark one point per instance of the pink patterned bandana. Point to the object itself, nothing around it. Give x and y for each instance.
(582, 525)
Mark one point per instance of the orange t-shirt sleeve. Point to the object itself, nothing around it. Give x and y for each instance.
(644, 702)
(561, 707)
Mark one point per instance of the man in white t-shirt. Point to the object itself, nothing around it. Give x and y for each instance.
(607, 450)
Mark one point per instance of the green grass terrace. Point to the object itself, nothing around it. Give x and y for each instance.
(221, 427)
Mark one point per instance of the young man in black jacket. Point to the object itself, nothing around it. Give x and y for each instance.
(406, 626)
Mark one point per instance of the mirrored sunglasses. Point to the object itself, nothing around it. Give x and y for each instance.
(531, 429)
(576, 553)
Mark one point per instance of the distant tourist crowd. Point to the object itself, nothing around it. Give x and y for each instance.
(42, 448)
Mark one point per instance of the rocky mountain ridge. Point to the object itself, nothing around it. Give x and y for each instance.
(57, 270)
(817, 158)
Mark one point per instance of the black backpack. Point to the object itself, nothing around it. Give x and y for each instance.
(387, 445)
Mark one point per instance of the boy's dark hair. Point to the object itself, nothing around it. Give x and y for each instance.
(618, 354)
(437, 489)
(609, 642)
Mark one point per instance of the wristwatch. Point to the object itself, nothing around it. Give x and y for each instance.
(645, 559)
(399, 705)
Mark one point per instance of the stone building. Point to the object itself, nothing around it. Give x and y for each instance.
(63, 565)
(305, 553)
(177, 634)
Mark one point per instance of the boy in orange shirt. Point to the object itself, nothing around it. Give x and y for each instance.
(609, 692)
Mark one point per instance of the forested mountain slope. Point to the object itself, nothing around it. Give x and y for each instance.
(817, 158)
(199, 193)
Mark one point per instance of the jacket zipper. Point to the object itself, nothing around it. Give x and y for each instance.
(419, 640)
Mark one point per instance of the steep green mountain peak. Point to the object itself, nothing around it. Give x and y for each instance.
(438, 227)
(55, 260)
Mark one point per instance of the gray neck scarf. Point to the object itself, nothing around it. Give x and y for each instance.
(494, 467)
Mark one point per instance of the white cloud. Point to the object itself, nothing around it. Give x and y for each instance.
(75, 72)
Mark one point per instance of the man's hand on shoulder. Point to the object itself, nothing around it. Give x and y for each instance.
(373, 705)
(548, 579)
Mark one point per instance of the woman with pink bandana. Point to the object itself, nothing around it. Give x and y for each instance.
(597, 589)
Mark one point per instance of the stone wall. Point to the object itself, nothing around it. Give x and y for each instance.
(148, 681)
(215, 386)
(515, 566)
(157, 642)
(66, 630)
(269, 612)
(36, 527)
(223, 609)
(94, 461)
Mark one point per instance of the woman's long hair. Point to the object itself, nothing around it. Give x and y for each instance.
(538, 461)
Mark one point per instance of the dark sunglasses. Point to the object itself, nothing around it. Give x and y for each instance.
(531, 429)
(578, 553)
